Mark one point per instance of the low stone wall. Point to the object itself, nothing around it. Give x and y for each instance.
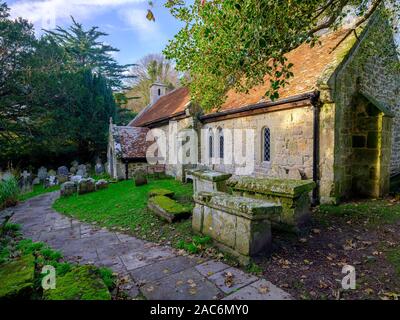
(293, 195)
(241, 226)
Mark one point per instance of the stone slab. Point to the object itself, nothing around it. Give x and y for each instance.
(260, 290)
(240, 279)
(185, 285)
(209, 268)
(162, 269)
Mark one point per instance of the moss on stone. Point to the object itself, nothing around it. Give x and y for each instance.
(17, 277)
(169, 205)
(161, 192)
(283, 187)
(81, 283)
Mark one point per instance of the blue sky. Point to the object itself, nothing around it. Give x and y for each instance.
(124, 20)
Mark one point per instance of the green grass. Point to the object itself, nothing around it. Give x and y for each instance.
(37, 191)
(374, 212)
(124, 206)
(393, 256)
(8, 193)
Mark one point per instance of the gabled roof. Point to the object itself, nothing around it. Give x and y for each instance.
(130, 142)
(309, 65)
(170, 105)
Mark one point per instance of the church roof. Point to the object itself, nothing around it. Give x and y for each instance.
(309, 65)
(170, 105)
(130, 142)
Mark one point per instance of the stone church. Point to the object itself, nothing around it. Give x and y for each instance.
(337, 122)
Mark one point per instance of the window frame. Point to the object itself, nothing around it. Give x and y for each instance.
(263, 149)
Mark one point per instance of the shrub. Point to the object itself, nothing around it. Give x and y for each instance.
(9, 192)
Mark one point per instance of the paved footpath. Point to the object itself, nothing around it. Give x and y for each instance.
(158, 272)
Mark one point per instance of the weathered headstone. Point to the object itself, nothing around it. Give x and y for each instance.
(101, 184)
(42, 174)
(52, 173)
(51, 181)
(36, 181)
(86, 186)
(25, 183)
(73, 170)
(68, 189)
(62, 171)
(81, 170)
(140, 178)
(7, 175)
(76, 179)
(99, 168)
(74, 163)
(88, 167)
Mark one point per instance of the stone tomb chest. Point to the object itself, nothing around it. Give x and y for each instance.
(241, 226)
(293, 195)
(208, 180)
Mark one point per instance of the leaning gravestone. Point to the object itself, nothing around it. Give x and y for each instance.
(68, 189)
(86, 186)
(42, 174)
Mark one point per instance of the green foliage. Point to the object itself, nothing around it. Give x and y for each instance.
(8, 192)
(11, 227)
(375, 212)
(37, 191)
(56, 94)
(17, 278)
(196, 245)
(169, 205)
(108, 277)
(231, 44)
(125, 206)
(393, 256)
(81, 283)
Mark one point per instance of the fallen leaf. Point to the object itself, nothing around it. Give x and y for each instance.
(263, 289)
(229, 279)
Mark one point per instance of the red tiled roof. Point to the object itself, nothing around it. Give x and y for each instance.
(309, 64)
(169, 105)
(130, 142)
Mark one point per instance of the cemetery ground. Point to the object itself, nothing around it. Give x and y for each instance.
(364, 234)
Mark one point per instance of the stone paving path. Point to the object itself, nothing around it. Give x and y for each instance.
(157, 272)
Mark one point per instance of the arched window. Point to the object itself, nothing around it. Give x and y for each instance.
(210, 145)
(221, 143)
(266, 144)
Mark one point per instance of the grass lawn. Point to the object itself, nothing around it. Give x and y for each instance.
(37, 190)
(124, 206)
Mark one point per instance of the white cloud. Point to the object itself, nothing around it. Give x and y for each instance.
(55, 11)
(145, 29)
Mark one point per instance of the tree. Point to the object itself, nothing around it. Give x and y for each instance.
(85, 51)
(233, 44)
(149, 69)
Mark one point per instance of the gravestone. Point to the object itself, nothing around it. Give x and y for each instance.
(74, 163)
(140, 178)
(81, 170)
(62, 171)
(86, 186)
(36, 181)
(99, 168)
(101, 184)
(74, 167)
(7, 175)
(52, 173)
(25, 183)
(76, 179)
(68, 189)
(42, 174)
(51, 181)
